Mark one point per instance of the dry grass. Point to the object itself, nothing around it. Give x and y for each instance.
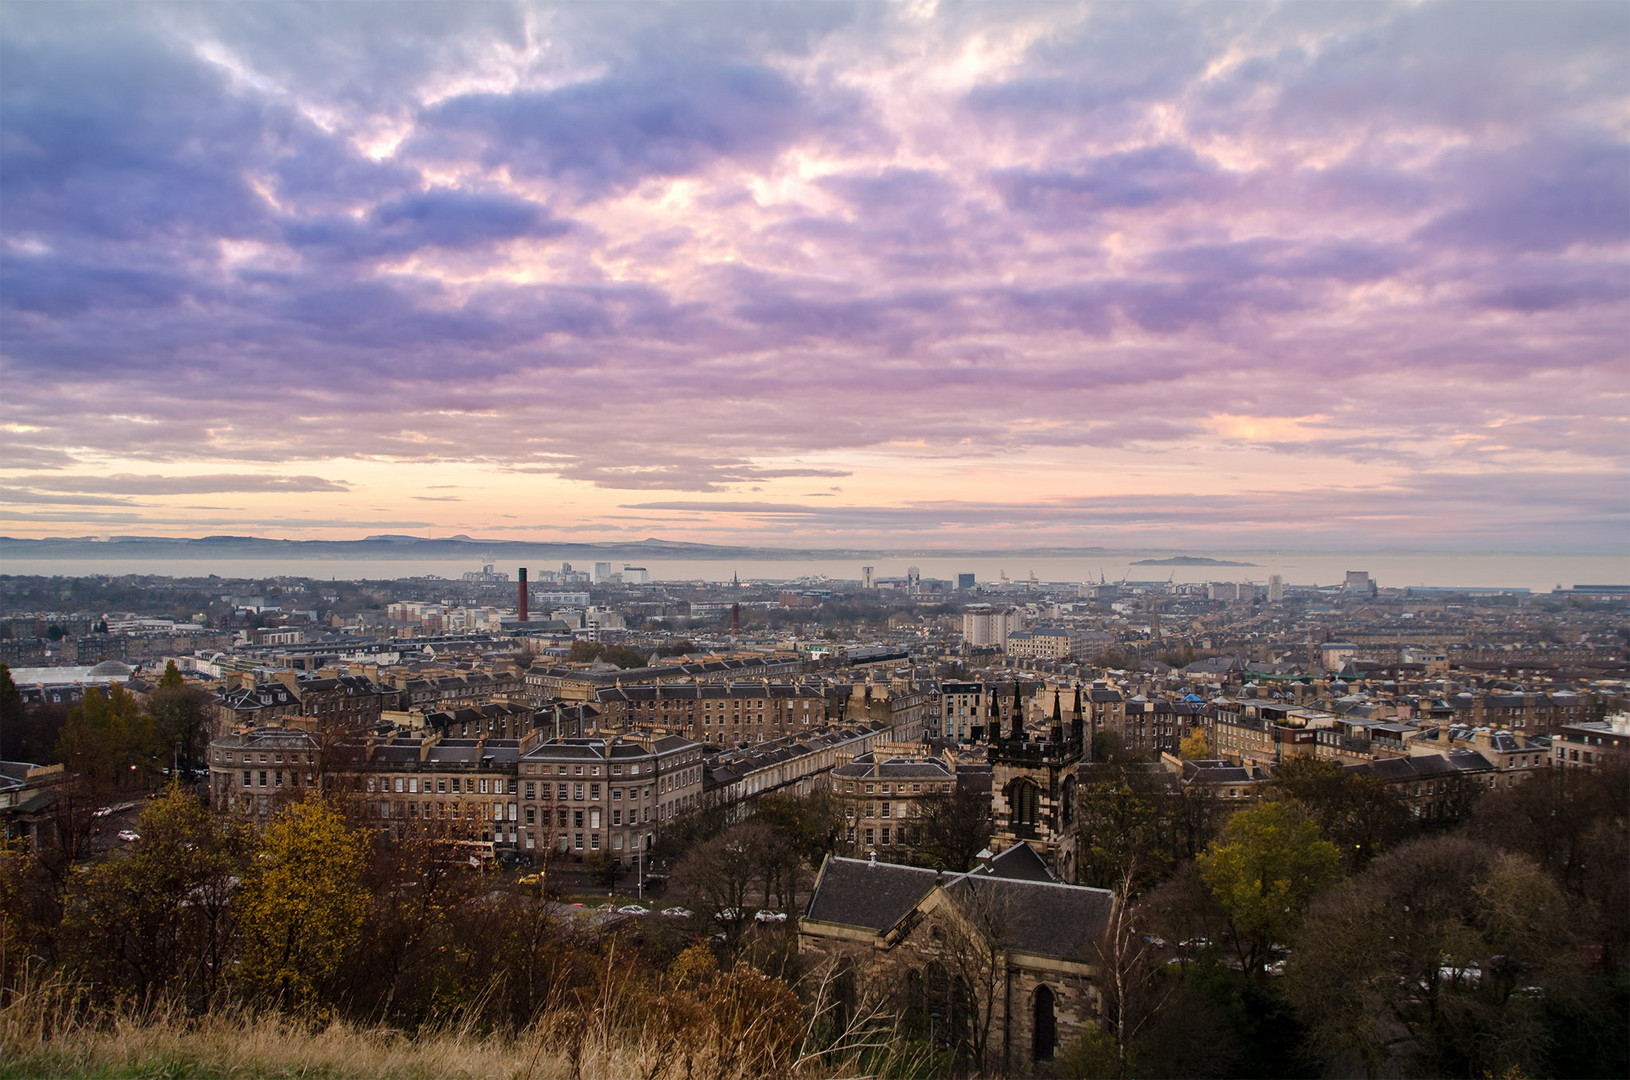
(49, 1029)
(47, 1032)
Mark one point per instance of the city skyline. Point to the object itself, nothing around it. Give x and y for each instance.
(916, 275)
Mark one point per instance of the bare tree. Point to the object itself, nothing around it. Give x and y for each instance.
(1134, 991)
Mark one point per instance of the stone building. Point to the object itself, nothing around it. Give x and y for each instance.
(1033, 785)
(574, 795)
(995, 966)
(882, 795)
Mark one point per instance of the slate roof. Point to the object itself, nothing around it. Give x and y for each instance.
(855, 892)
(1019, 862)
(1046, 918)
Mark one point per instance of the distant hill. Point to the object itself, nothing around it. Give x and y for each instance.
(1191, 560)
(390, 546)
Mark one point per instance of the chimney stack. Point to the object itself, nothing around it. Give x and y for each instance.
(520, 602)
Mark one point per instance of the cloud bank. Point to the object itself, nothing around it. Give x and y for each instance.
(1070, 270)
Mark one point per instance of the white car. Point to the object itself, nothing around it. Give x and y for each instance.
(634, 909)
(677, 913)
(129, 836)
(766, 915)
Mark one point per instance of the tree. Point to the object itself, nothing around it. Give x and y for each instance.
(952, 829)
(180, 716)
(161, 920)
(1132, 974)
(810, 824)
(302, 904)
(13, 715)
(718, 877)
(1353, 811)
(1576, 824)
(1439, 954)
(1118, 810)
(1194, 746)
(108, 739)
(1268, 868)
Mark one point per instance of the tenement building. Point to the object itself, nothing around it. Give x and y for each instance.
(576, 795)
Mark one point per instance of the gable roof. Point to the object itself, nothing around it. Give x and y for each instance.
(1044, 918)
(873, 895)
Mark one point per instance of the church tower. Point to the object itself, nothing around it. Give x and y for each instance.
(1033, 784)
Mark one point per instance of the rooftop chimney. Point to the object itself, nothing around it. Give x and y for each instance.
(520, 602)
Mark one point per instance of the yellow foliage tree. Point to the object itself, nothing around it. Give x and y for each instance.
(1194, 745)
(302, 905)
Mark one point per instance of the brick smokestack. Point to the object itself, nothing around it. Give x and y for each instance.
(520, 600)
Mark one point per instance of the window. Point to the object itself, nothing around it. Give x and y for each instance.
(869, 840)
(577, 841)
(398, 784)
(616, 794)
(531, 790)
(263, 778)
(594, 819)
(594, 841)
(577, 792)
(483, 785)
(594, 792)
(413, 785)
(246, 780)
(441, 786)
(885, 835)
(577, 819)
(616, 817)
(562, 794)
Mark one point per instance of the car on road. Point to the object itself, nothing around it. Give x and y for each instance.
(129, 836)
(677, 913)
(634, 909)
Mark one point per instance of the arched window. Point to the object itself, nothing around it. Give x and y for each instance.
(1067, 809)
(1024, 802)
(1044, 1033)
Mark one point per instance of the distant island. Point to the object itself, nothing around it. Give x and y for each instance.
(1191, 560)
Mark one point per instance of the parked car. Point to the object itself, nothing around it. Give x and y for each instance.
(677, 913)
(634, 909)
(766, 915)
(129, 836)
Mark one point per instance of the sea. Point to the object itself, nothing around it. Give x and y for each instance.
(1536, 573)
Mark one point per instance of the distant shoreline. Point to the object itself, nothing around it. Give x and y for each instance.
(1191, 560)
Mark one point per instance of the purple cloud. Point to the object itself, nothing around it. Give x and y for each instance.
(688, 249)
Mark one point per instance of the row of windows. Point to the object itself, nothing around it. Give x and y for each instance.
(916, 788)
(276, 759)
(276, 778)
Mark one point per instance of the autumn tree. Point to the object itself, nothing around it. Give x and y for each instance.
(1267, 868)
(302, 903)
(1434, 962)
(1194, 746)
(161, 920)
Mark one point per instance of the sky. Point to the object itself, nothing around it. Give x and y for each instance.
(1216, 275)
